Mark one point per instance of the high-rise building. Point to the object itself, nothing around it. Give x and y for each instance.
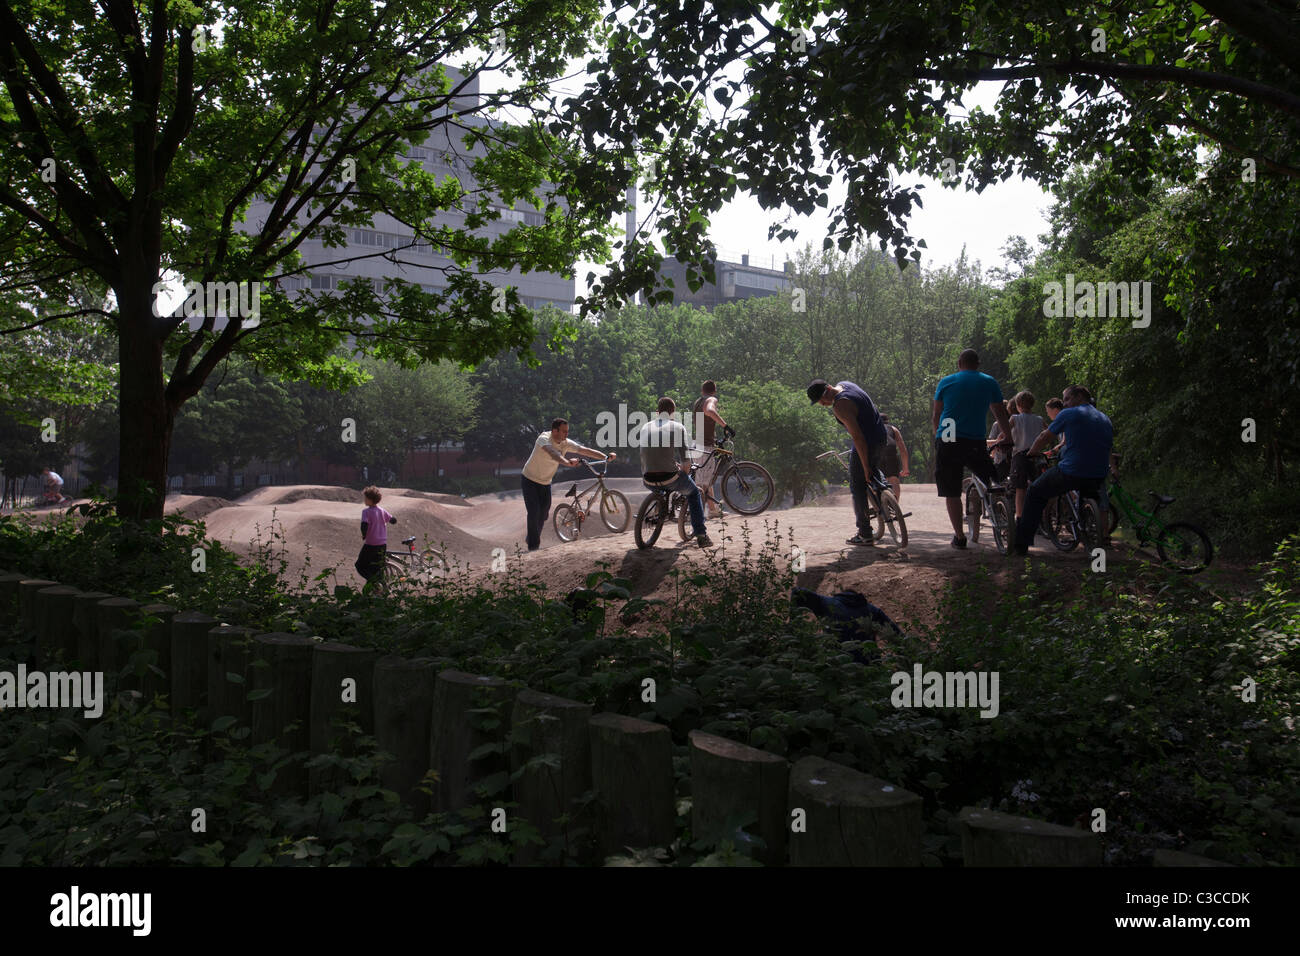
(388, 248)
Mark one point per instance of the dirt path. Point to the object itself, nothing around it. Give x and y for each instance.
(322, 523)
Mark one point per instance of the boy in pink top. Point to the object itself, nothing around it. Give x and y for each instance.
(374, 533)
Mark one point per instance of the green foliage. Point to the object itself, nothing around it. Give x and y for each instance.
(1125, 696)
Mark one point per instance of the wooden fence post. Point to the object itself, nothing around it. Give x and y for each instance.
(545, 724)
(282, 669)
(453, 736)
(189, 662)
(54, 629)
(730, 779)
(403, 714)
(342, 685)
(851, 819)
(632, 772)
(990, 838)
(85, 617)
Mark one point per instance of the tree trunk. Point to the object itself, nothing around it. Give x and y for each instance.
(146, 415)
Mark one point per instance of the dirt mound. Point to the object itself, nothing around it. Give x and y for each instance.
(330, 532)
(195, 506)
(285, 494)
(455, 500)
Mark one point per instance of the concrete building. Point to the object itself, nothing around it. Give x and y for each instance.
(736, 281)
(389, 248)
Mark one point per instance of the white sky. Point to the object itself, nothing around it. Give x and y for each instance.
(950, 219)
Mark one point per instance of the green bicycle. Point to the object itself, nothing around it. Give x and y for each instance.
(1180, 544)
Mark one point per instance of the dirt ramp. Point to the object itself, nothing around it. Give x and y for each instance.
(195, 506)
(287, 494)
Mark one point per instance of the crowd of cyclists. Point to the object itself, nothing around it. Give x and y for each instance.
(1079, 435)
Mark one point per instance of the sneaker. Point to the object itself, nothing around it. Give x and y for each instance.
(862, 540)
(704, 540)
(958, 541)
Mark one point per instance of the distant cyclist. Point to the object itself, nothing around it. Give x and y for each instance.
(854, 409)
(961, 403)
(53, 485)
(1084, 464)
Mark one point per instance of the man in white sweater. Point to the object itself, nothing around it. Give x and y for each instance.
(549, 453)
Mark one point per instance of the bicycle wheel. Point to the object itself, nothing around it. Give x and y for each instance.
(748, 488)
(684, 526)
(892, 518)
(1001, 523)
(615, 511)
(567, 524)
(1063, 535)
(1091, 521)
(974, 510)
(650, 520)
(1185, 547)
(433, 560)
(394, 573)
(1047, 525)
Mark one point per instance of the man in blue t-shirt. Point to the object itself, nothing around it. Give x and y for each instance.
(854, 409)
(1084, 464)
(961, 403)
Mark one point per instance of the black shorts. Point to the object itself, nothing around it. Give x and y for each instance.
(1021, 470)
(950, 457)
(892, 462)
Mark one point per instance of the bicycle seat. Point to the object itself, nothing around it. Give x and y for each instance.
(408, 540)
(1163, 499)
(573, 490)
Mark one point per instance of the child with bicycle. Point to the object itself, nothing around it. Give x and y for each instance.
(1025, 428)
(374, 534)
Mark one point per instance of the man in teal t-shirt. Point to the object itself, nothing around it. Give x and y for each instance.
(961, 403)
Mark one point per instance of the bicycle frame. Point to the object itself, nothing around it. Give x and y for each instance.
(593, 492)
(1144, 523)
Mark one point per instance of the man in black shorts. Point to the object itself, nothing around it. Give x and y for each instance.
(961, 403)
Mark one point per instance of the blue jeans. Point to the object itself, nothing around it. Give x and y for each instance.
(858, 484)
(537, 499)
(694, 500)
(1050, 484)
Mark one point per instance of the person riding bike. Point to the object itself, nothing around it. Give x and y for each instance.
(854, 409)
(1085, 462)
(53, 485)
(664, 465)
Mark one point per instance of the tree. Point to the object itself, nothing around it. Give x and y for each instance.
(137, 138)
(240, 416)
(718, 98)
(776, 427)
(404, 408)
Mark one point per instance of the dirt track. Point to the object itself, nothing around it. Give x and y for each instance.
(319, 528)
(324, 522)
